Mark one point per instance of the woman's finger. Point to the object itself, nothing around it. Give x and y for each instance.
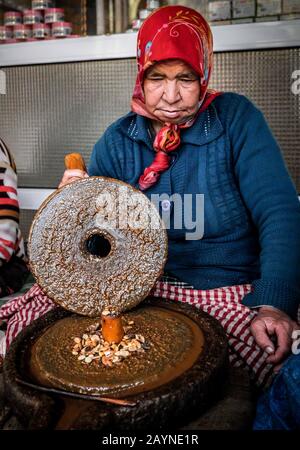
(260, 333)
(72, 175)
(284, 342)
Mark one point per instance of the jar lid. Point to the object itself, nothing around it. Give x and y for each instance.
(54, 10)
(12, 14)
(21, 26)
(41, 3)
(38, 26)
(11, 41)
(61, 24)
(32, 12)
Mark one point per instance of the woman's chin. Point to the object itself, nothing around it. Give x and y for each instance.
(171, 118)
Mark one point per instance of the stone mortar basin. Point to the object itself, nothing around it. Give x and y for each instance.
(171, 404)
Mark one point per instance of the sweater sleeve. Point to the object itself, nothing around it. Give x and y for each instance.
(9, 206)
(272, 201)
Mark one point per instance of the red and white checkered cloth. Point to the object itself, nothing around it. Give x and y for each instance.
(224, 304)
(21, 311)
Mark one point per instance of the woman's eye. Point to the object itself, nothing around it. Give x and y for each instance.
(155, 78)
(187, 80)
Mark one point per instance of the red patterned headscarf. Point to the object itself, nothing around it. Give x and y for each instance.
(172, 32)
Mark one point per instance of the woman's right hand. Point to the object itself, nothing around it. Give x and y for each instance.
(72, 175)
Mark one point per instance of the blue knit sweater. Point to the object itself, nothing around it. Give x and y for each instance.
(251, 208)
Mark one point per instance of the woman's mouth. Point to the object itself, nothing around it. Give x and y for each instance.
(171, 114)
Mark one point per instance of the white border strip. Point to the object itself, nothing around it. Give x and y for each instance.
(32, 198)
(249, 36)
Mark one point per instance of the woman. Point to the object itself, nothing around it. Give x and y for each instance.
(182, 138)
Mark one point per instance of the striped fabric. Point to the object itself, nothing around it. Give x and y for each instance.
(222, 303)
(11, 241)
(20, 312)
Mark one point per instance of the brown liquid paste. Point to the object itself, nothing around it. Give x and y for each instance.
(176, 342)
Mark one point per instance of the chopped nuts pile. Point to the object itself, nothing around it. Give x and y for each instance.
(91, 347)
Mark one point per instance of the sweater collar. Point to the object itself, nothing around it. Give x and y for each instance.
(206, 128)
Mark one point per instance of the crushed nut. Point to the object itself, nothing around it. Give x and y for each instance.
(92, 348)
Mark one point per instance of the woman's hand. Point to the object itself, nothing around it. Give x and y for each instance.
(273, 322)
(72, 175)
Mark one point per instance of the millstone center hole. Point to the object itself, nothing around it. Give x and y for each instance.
(98, 245)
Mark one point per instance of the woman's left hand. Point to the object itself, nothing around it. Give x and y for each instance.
(274, 322)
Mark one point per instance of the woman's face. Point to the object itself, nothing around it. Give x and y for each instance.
(172, 91)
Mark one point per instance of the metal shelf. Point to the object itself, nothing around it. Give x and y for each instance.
(239, 37)
(10, 6)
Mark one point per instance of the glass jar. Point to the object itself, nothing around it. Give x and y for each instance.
(54, 15)
(12, 18)
(153, 4)
(42, 4)
(199, 5)
(32, 16)
(22, 32)
(144, 13)
(61, 29)
(41, 30)
(5, 33)
(136, 24)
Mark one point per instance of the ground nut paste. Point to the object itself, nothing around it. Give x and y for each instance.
(54, 15)
(41, 30)
(32, 16)
(61, 29)
(22, 32)
(12, 18)
(159, 354)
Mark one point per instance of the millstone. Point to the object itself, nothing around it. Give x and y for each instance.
(97, 244)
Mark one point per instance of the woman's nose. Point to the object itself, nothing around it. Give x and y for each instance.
(171, 92)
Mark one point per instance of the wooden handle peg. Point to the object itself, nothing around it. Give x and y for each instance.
(112, 328)
(75, 161)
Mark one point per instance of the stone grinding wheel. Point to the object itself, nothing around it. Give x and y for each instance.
(130, 238)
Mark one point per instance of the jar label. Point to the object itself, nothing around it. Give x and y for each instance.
(31, 20)
(41, 4)
(61, 31)
(40, 33)
(12, 20)
(54, 17)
